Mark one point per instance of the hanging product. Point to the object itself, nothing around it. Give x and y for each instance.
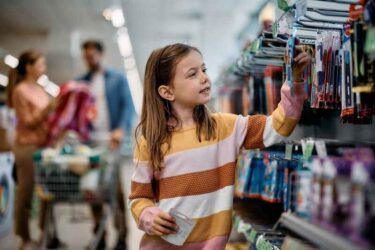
(335, 192)
(347, 105)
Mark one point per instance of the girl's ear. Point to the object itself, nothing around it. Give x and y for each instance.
(166, 92)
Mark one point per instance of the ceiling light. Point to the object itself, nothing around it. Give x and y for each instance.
(117, 17)
(52, 88)
(268, 13)
(107, 13)
(129, 63)
(43, 80)
(11, 61)
(124, 44)
(136, 88)
(3, 80)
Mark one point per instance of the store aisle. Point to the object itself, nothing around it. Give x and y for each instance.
(74, 224)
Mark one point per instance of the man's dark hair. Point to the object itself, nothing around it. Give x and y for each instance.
(93, 44)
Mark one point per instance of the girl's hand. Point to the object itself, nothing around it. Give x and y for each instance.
(163, 224)
(300, 61)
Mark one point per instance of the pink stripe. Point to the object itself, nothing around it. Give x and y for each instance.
(143, 173)
(270, 136)
(216, 243)
(207, 157)
(292, 104)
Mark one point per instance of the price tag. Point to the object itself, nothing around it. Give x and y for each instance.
(321, 148)
(288, 151)
(252, 236)
(307, 148)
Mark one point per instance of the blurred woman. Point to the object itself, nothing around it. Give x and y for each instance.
(32, 105)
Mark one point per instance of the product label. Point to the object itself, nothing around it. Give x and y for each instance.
(288, 151)
(321, 148)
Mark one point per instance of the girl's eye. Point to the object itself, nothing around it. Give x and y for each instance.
(192, 75)
(204, 70)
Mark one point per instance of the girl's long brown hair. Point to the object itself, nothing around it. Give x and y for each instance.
(157, 112)
(19, 73)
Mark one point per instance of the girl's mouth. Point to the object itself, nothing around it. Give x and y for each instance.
(205, 90)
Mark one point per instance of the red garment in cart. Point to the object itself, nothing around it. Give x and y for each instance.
(75, 106)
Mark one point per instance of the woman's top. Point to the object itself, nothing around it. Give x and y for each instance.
(197, 178)
(30, 102)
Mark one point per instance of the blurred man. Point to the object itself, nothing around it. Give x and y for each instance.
(114, 118)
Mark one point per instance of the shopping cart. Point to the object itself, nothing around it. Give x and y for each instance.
(71, 178)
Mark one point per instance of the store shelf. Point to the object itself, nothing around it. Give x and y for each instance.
(320, 237)
(254, 234)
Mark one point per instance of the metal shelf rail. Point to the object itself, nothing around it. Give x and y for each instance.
(316, 235)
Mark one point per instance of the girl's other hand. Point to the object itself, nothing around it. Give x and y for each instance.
(163, 224)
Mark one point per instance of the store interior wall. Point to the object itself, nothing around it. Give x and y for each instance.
(210, 25)
(57, 28)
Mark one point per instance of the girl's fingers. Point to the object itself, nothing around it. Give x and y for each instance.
(303, 61)
(298, 49)
(154, 232)
(165, 223)
(300, 56)
(167, 217)
(159, 230)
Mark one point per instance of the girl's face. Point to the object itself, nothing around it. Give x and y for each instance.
(191, 85)
(38, 68)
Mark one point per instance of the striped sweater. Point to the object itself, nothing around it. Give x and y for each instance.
(198, 177)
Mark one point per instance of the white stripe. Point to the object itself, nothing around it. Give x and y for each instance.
(207, 157)
(198, 206)
(270, 136)
(143, 173)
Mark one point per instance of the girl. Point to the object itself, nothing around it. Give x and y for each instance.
(186, 156)
(32, 106)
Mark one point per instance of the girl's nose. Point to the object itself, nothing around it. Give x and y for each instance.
(205, 79)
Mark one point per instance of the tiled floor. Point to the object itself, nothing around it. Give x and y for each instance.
(74, 224)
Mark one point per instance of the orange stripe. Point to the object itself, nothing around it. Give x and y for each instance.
(283, 125)
(255, 129)
(141, 190)
(219, 224)
(214, 225)
(197, 183)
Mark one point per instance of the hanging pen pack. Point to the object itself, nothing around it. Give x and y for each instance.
(291, 51)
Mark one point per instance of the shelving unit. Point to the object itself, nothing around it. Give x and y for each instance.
(305, 20)
(254, 234)
(319, 236)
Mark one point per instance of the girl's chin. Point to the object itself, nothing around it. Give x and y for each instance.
(205, 101)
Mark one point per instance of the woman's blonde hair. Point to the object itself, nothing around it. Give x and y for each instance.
(157, 112)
